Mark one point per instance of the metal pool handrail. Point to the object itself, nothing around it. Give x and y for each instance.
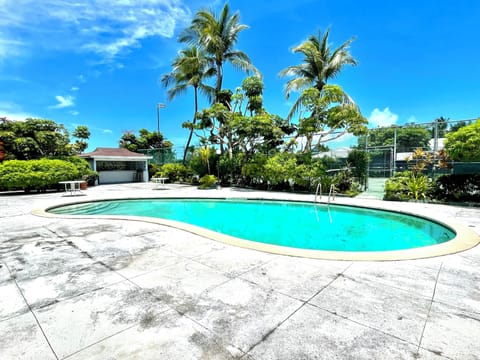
(331, 193)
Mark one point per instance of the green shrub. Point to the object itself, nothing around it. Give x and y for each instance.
(207, 181)
(457, 187)
(174, 172)
(358, 160)
(35, 174)
(280, 168)
(152, 170)
(252, 171)
(91, 177)
(306, 176)
(407, 185)
(83, 167)
(81, 164)
(204, 161)
(230, 170)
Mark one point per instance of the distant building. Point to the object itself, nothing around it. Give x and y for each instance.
(118, 165)
(339, 153)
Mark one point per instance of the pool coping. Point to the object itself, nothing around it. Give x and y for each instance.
(465, 238)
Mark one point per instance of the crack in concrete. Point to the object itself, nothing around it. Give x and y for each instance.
(429, 308)
(33, 314)
(271, 331)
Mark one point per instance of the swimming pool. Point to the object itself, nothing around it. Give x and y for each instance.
(297, 225)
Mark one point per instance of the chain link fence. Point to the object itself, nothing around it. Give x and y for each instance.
(163, 156)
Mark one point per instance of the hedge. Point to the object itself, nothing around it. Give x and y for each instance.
(457, 187)
(35, 174)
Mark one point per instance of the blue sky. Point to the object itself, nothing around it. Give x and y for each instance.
(98, 62)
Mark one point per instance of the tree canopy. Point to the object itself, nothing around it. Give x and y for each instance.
(82, 133)
(34, 139)
(190, 69)
(320, 64)
(329, 115)
(145, 140)
(218, 35)
(464, 144)
(409, 138)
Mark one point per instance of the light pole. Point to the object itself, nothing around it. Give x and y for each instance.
(159, 106)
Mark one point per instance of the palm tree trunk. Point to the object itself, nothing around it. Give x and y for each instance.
(193, 122)
(218, 86)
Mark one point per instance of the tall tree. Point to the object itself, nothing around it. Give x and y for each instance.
(330, 115)
(190, 68)
(33, 139)
(408, 138)
(82, 133)
(320, 64)
(218, 35)
(145, 141)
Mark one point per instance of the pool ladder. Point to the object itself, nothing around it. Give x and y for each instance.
(331, 193)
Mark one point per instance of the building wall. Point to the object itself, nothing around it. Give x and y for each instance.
(116, 176)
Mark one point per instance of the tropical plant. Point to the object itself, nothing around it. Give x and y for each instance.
(421, 160)
(190, 69)
(218, 35)
(320, 64)
(407, 185)
(417, 186)
(207, 181)
(203, 161)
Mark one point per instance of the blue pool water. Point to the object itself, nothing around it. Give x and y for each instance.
(292, 224)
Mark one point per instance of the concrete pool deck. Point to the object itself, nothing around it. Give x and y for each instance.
(118, 289)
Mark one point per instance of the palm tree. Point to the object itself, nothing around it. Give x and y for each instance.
(218, 36)
(190, 68)
(320, 64)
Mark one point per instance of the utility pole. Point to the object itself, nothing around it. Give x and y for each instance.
(159, 106)
(394, 149)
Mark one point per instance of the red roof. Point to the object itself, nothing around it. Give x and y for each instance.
(114, 152)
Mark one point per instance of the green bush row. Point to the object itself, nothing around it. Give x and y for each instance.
(457, 187)
(44, 173)
(407, 185)
(280, 171)
(35, 174)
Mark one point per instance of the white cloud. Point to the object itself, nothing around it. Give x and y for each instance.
(13, 111)
(63, 102)
(105, 27)
(74, 112)
(74, 88)
(107, 131)
(379, 118)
